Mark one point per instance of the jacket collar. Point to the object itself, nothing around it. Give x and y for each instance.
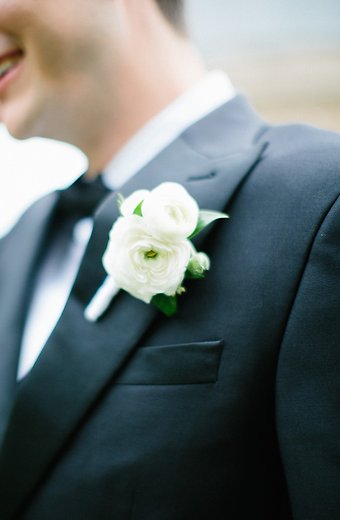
(81, 359)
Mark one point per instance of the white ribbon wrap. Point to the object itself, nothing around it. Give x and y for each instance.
(101, 300)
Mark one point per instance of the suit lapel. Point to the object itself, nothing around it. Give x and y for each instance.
(19, 257)
(81, 359)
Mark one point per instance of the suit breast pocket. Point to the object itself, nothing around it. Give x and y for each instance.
(187, 363)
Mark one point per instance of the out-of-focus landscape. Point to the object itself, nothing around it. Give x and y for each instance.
(284, 54)
(304, 86)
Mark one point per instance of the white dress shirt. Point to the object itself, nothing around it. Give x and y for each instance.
(61, 264)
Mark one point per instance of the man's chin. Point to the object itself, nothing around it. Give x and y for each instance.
(16, 135)
(20, 122)
(19, 130)
(16, 128)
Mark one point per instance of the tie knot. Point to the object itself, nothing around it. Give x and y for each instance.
(82, 198)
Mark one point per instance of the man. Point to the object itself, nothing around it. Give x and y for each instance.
(230, 408)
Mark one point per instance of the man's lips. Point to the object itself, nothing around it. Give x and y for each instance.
(10, 66)
(8, 61)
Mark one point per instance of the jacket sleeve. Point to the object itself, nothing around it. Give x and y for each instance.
(308, 382)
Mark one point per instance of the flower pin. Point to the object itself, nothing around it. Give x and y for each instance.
(149, 252)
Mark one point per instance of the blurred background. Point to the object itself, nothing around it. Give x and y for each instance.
(284, 54)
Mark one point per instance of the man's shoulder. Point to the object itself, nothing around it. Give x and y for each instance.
(303, 156)
(302, 145)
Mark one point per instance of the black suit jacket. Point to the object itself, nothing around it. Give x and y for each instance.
(230, 409)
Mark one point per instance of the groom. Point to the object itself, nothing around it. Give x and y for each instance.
(230, 408)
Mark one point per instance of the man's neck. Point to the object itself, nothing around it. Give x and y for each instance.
(146, 87)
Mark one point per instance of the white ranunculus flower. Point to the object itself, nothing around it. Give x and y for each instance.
(141, 264)
(129, 204)
(170, 212)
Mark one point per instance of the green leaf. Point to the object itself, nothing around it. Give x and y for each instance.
(205, 218)
(138, 209)
(166, 304)
(120, 200)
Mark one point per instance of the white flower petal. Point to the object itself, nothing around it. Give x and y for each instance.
(170, 212)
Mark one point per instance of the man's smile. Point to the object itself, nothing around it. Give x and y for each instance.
(9, 65)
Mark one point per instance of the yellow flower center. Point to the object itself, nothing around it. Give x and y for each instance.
(151, 254)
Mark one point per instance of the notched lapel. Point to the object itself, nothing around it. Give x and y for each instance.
(82, 359)
(215, 190)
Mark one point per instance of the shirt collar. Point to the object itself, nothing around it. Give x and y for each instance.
(208, 94)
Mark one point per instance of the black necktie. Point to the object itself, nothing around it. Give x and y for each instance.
(81, 199)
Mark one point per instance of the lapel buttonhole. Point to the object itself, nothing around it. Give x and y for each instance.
(210, 175)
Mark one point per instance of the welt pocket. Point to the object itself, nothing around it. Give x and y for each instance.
(186, 363)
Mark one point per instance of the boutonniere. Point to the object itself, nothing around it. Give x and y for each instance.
(149, 252)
